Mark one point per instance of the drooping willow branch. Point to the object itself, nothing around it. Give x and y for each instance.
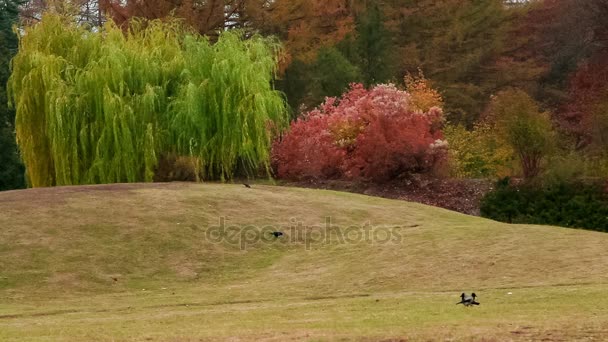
(101, 107)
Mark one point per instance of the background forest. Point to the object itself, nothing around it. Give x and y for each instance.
(375, 90)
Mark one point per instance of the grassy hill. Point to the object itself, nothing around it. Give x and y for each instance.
(147, 263)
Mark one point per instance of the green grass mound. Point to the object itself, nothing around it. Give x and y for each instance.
(190, 262)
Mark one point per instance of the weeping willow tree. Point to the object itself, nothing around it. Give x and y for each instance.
(103, 107)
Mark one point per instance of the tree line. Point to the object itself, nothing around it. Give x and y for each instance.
(552, 50)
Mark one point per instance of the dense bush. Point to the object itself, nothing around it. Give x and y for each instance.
(308, 151)
(367, 134)
(177, 168)
(567, 166)
(478, 153)
(567, 204)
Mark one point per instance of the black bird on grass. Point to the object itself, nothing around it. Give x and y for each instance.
(468, 300)
(276, 234)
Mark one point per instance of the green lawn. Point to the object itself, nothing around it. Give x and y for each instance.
(146, 263)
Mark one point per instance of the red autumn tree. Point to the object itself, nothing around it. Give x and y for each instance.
(583, 116)
(367, 134)
(304, 25)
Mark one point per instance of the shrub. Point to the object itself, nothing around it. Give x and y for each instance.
(367, 134)
(576, 205)
(392, 146)
(478, 153)
(177, 168)
(569, 166)
(308, 151)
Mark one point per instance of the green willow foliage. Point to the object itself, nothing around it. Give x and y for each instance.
(104, 107)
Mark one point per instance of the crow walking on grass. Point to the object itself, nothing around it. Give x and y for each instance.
(276, 234)
(468, 300)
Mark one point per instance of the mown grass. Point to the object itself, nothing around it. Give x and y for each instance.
(62, 248)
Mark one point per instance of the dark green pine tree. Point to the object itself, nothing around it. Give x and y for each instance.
(332, 73)
(11, 168)
(372, 47)
(365, 56)
(309, 83)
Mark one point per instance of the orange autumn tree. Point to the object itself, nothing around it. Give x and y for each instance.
(206, 17)
(304, 25)
(423, 95)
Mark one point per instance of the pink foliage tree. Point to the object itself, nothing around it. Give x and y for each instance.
(366, 135)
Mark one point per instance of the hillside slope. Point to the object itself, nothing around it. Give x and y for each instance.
(70, 256)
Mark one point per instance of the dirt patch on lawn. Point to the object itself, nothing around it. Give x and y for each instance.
(461, 195)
